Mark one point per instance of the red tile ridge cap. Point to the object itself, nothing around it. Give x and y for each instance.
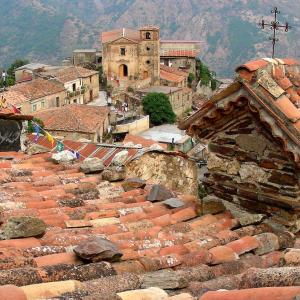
(273, 114)
(254, 65)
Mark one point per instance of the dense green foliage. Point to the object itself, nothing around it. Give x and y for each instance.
(206, 76)
(159, 109)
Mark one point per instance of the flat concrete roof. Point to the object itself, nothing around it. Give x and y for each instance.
(164, 133)
(160, 89)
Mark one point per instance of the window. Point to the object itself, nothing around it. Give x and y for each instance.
(75, 101)
(148, 36)
(74, 87)
(148, 62)
(148, 48)
(34, 107)
(90, 79)
(43, 104)
(57, 101)
(123, 51)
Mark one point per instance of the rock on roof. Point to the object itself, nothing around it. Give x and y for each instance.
(272, 87)
(110, 36)
(34, 89)
(168, 245)
(73, 117)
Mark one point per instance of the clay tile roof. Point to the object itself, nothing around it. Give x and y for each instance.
(14, 97)
(67, 74)
(34, 89)
(252, 65)
(73, 117)
(8, 113)
(110, 36)
(272, 86)
(165, 245)
(172, 74)
(179, 53)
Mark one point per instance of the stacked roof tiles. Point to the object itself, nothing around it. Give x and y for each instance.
(172, 74)
(74, 118)
(106, 152)
(168, 252)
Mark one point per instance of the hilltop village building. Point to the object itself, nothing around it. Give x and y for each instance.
(131, 54)
(41, 87)
(136, 55)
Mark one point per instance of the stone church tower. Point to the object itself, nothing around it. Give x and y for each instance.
(148, 53)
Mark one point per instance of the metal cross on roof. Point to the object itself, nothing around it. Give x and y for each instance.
(275, 25)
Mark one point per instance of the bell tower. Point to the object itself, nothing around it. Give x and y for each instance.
(149, 53)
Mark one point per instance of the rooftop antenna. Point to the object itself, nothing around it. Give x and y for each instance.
(275, 25)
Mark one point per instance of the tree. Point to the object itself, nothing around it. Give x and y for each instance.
(10, 80)
(206, 76)
(159, 109)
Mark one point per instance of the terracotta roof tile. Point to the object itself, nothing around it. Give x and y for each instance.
(67, 74)
(179, 53)
(270, 84)
(172, 74)
(110, 36)
(152, 236)
(288, 108)
(73, 117)
(252, 65)
(34, 89)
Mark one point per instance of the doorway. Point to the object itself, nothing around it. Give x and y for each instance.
(123, 71)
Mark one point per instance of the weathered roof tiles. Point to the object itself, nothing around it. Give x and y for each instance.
(157, 241)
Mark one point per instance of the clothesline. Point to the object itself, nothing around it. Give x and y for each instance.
(60, 146)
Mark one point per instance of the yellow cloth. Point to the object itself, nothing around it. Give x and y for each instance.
(50, 138)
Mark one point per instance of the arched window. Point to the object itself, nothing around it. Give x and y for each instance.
(148, 35)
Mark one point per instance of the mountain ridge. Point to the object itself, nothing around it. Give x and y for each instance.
(48, 30)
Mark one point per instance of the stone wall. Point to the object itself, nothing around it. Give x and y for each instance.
(247, 166)
(172, 171)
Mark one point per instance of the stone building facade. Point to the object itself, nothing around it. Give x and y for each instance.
(252, 129)
(131, 55)
(180, 98)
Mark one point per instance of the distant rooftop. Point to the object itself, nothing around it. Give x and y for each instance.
(164, 133)
(160, 89)
(85, 50)
(182, 41)
(32, 66)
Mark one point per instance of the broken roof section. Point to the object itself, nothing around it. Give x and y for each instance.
(272, 89)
